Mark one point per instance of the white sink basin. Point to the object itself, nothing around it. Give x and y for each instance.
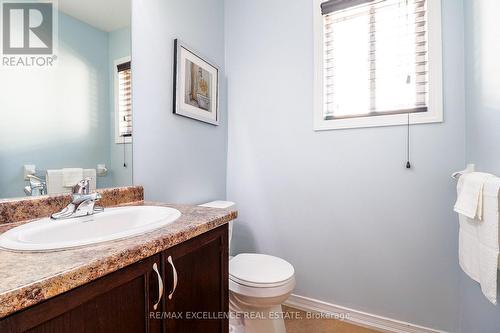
(112, 224)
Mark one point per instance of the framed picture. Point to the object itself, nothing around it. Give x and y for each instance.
(196, 85)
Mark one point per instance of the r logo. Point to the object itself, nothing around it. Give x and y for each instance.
(27, 28)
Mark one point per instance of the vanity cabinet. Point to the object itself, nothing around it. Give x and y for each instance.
(117, 302)
(198, 272)
(194, 277)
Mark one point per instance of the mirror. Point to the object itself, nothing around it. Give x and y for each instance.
(65, 102)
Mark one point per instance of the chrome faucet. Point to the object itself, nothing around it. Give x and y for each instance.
(82, 203)
(37, 186)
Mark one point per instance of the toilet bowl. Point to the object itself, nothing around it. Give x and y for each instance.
(258, 285)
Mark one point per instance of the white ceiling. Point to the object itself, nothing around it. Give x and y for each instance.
(107, 15)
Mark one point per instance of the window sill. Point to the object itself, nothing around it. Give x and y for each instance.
(378, 121)
(120, 140)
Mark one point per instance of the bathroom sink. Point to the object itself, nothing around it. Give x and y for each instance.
(112, 224)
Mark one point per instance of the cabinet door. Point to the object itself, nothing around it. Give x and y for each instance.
(118, 302)
(201, 266)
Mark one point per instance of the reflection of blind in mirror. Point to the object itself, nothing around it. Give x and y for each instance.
(375, 57)
(124, 100)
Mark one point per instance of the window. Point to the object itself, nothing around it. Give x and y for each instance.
(377, 62)
(123, 101)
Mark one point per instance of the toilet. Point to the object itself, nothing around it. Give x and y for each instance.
(258, 285)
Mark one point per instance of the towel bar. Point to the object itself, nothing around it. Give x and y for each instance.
(469, 168)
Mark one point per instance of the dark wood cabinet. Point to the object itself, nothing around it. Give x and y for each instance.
(200, 295)
(117, 302)
(124, 301)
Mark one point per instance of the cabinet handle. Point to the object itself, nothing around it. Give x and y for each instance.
(169, 259)
(160, 286)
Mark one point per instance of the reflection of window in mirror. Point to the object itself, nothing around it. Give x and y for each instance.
(123, 101)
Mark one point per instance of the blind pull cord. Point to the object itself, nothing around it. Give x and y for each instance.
(408, 164)
(124, 157)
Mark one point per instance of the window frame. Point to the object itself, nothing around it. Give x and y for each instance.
(434, 113)
(119, 139)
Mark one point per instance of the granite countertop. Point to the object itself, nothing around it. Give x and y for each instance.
(29, 278)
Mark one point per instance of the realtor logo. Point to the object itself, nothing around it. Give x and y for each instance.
(28, 33)
(27, 28)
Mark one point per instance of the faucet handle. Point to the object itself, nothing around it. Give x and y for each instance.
(82, 187)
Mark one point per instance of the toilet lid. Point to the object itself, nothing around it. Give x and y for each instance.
(260, 269)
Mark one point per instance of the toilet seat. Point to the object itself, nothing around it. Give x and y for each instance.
(260, 275)
(262, 292)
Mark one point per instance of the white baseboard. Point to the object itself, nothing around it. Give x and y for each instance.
(357, 317)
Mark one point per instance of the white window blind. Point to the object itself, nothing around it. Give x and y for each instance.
(375, 59)
(124, 100)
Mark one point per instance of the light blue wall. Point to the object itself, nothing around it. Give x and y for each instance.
(483, 84)
(176, 159)
(360, 229)
(119, 47)
(482, 42)
(57, 117)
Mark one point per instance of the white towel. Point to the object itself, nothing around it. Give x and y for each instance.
(55, 182)
(479, 246)
(71, 176)
(470, 196)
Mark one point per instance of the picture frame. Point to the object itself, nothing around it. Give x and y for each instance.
(196, 85)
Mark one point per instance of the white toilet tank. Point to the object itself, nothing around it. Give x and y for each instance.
(223, 205)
